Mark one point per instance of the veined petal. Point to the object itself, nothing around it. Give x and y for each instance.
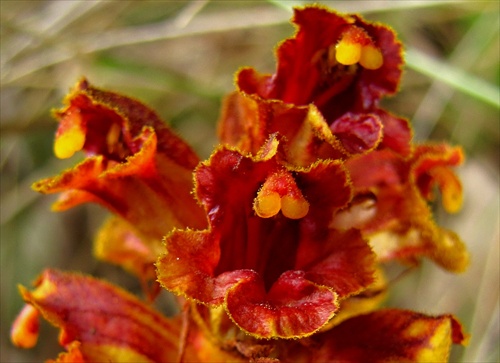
(109, 323)
(293, 308)
(390, 336)
(100, 322)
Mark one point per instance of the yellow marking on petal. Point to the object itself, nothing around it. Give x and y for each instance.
(69, 142)
(450, 187)
(267, 205)
(348, 52)
(452, 199)
(438, 347)
(294, 208)
(371, 57)
(44, 289)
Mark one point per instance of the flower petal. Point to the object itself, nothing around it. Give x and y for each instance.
(309, 72)
(248, 120)
(399, 223)
(118, 242)
(244, 258)
(308, 64)
(109, 323)
(358, 132)
(135, 166)
(294, 307)
(391, 335)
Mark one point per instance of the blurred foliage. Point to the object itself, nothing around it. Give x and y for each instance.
(180, 57)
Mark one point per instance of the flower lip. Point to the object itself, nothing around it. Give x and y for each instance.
(243, 259)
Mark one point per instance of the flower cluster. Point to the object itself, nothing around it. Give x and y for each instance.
(275, 245)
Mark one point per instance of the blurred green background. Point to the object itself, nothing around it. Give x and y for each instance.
(180, 57)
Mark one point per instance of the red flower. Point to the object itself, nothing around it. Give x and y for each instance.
(268, 255)
(100, 322)
(390, 204)
(341, 64)
(135, 166)
(315, 185)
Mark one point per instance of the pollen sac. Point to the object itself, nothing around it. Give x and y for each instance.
(280, 192)
(70, 137)
(356, 46)
(267, 204)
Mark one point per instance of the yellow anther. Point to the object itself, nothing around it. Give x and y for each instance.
(371, 57)
(294, 208)
(267, 205)
(348, 52)
(69, 142)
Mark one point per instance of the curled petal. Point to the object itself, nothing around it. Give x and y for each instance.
(398, 220)
(432, 167)
(247, 120)
(130, 152)
(358, 133)
(337, 62)
(135, 166)
(294, 307)
(308, 64)
(337, 65)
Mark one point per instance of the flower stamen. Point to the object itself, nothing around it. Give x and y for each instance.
(294, 207)
(356, 46)
(71, 140)
(280, 192)
(267, 205)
